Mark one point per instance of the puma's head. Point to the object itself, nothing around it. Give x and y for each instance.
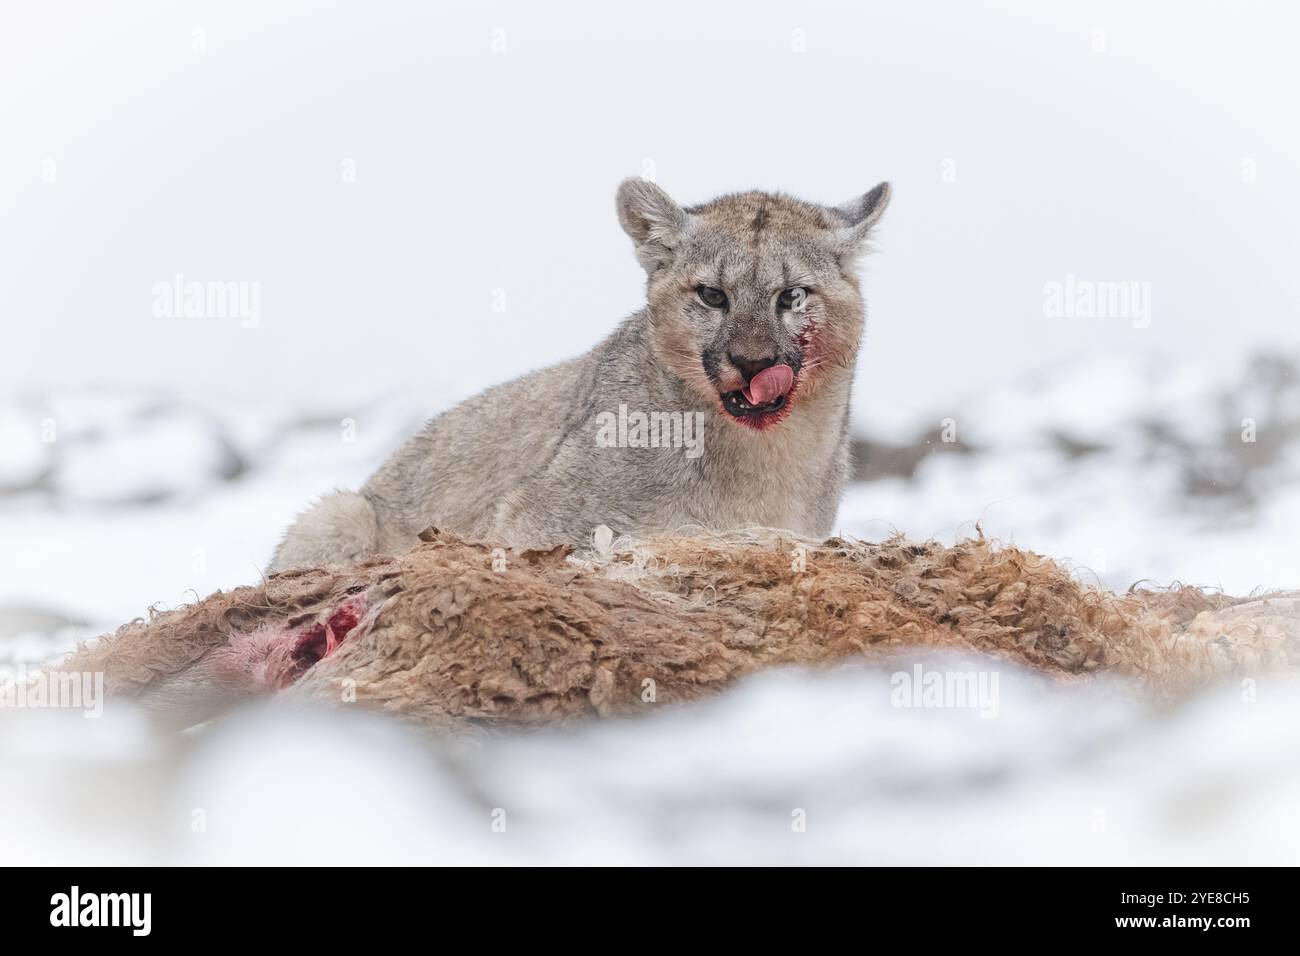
(753, 297)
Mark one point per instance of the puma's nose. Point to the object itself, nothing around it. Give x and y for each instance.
(750, 367)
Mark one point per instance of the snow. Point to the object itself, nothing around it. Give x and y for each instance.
(790, 767)
(1127, 468)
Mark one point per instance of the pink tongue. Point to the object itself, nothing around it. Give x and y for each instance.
(768, 385)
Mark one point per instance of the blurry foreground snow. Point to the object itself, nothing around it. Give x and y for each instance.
(789, 767)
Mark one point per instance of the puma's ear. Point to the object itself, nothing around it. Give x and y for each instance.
(860, 216)
(652, 219)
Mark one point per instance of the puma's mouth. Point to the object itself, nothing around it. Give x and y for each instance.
(761, 402)
(737, 406)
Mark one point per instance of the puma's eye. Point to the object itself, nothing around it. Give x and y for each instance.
(713, 298)
(792, 299)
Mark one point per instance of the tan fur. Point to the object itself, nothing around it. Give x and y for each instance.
(451, 637)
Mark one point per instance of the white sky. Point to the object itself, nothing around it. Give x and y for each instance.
(478, 170)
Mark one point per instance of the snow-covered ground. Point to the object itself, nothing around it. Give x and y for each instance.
(1128, 468)
(790, 767)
